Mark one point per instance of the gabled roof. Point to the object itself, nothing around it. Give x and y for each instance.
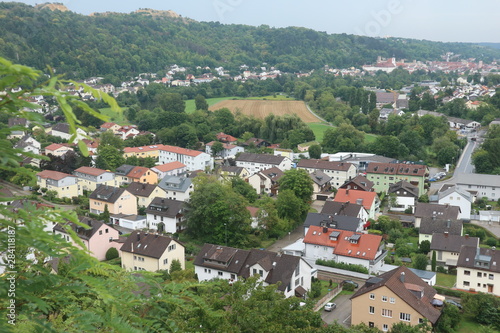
(319, 177)
(90, 171)
(409, 287)
(324, 165)
(18, 122)
(452, 243)
(445, 212)
(141, 189)
(56, 146)
(359, 197)
(165, 207)
(232, 169)
(108, 125)
(137, 172)
(253, 210)
(227, 258)
(84, 233)
(466, 195)
(360, 181)
(430, 226)
(479, 258)
(225, 137)
(227, 146)
(415, 170)
(107, 193)
(148, 245)
(61, 127)
(260, 158)
(340, 222)
(273, 173)
(169, 166)
(341, 208)
(404, 186)
(347, 243)
(124, 169)
(142, 149)
(55, 175)
(180, 151)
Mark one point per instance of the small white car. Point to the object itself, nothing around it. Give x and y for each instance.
(330, 306)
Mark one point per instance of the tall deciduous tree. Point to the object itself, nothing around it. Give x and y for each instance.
(299, 182)
(200, 102)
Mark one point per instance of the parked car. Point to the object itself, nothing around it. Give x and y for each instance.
(330, 306)
(452, 302)
(351, 282)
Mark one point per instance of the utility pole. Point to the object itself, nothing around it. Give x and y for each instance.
(225, 226)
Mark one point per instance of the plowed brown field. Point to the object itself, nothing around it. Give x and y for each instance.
(260, 108)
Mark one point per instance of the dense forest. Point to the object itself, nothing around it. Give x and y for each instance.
(127, 44)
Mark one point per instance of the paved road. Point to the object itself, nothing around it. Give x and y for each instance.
(342, 314)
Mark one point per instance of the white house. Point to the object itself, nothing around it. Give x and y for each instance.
(339, 171)
(258, 162)
(292, 273)
(128, 221)
(62, 130)
(29, 144)
(165, 215)
(456, 196)
(169, 169)
(478, 269)
(406, 196)
(193, 159)
(345, 246)
(228, 151)
(176, 188)
(266, 181)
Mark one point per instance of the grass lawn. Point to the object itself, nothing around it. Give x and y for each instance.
(446, 280)
(319, 130)
(118, 118)
(191, 106)
(369, 138)
(466, 325)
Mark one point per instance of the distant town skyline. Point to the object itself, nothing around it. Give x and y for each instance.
(445, 20)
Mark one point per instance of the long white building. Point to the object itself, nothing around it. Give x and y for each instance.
(193, 159)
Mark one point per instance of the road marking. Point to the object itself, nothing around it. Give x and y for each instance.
(346, 319)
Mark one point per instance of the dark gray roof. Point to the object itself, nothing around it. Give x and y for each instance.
(319, 177)
(359, 182)
(61, 127)
(411, 190)
(273, 173)
(107, 193)
(232, 169)
(165, 207)
(323, 165)
(141, 189)
(479, 258)
(423, 274)
(144, 244)
(174, 183)
(409, 288)
(260, 158)
(434, 210)
(18, 122)
(124, 170)
(92, 224)
(237, 261)
(340, 222)
(452, 243)
(430, 226)
(341, 208)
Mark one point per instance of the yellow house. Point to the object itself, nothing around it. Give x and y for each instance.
(89, 178)
(145, 193)
(393, 297)
(142, 152)
(477, 270)
(150, 252)
(118, 200)
(64, 184)
(143, 175)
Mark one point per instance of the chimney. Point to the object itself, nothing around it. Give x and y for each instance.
(402, 277)
(138, 236)
(143, 186)
(347, 191)
(466, 236)
(325, 230)
(446, 234)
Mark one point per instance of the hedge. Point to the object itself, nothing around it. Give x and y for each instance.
(341, 265)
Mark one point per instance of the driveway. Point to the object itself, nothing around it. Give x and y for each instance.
(342, 314)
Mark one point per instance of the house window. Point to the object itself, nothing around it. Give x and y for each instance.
(254, 271)
(297, 270)
(385, 327)
(490, 276)
(135, 257)
(372, 310)
(384, 298)
(297, 282)
(404, 316)
(171, 247)
(371, 324)
(100, 232)
(233, 276)
(392, 300)
(479, 274)
(220, 273)
(261, 273)
(387, 313)
(165, 261)
(106, 230)
(372, 296)
(466, 283)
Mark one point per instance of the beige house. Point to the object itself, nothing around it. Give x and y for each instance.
(64, 184)
(393, 297)
(339, 171)
(89, 178)
(145, 193)
(118, 200)
(57, 149)
(448, 247)
(150, 252)
(478, 269)
(228, 172)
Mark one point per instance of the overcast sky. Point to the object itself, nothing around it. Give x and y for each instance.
(438, 20)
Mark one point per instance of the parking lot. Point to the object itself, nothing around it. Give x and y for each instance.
(342, 314)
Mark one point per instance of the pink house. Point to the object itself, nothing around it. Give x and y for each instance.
(96, 236)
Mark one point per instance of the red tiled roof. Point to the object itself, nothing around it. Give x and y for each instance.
(107, 125)
(366, 247)
(324, 165)
(137, 172)
(170, 166)
(224, 145)
(55, 175)
(397, 169)
(181, 151)
(225, 137)
(54, 146)
(90, 171)
(352, 196)
(253, 210)
(142, 149)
